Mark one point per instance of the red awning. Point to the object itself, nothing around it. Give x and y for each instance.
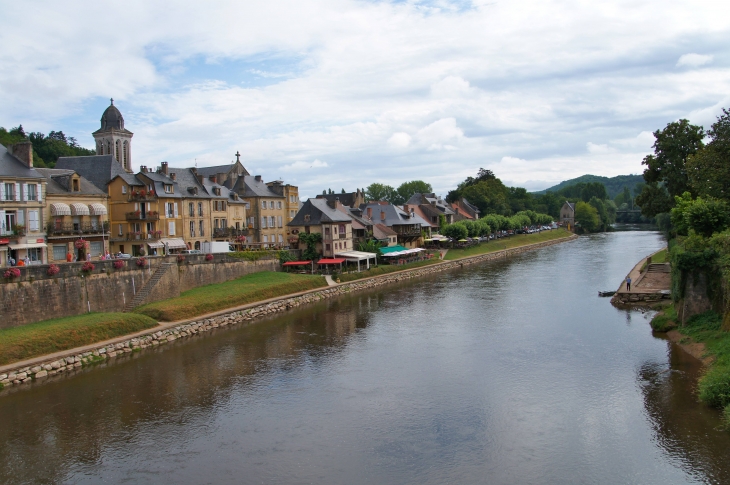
(4, 240)
(331, 261)
(296, 263)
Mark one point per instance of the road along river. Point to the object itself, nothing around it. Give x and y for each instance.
(510, 371)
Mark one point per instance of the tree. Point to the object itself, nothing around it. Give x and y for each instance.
(654, 200)
(593, 189)
(703, 216)
(587, 216)
(376, 191)
(407, 189)
(455, 231)
(672, 146)
(709, 169)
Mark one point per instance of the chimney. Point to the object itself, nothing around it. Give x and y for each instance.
(23, 151)
(173, 175)
(164, 168)
(200, 177)
(212, 178)
(143, 168)
(257, 178)
(370, 213)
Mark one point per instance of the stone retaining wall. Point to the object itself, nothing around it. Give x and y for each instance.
(634, 298)
(154, 338)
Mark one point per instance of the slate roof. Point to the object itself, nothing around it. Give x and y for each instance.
(349, 198)
(381, 231)
(432, 200)
(248, 186)
(159, 181)
(11, 166)
(393, 215)
(571, 205)
(58, 181)
(98, 169)
(186, 181)
(319, 213)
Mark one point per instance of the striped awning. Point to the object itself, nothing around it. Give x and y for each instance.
(174, 243)
(78, 209)
(155, 244)
(97, 209)
(59, 209)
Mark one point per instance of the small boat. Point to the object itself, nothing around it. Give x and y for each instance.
(606, 293)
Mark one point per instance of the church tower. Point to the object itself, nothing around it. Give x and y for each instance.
(113, 139)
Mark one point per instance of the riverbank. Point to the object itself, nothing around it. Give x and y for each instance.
(74, 360)
(650, 283)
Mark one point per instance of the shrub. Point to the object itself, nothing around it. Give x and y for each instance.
(141, 262)
(714, 386)
(88, 267)
(209, 257)
(53, 270)
(665, 320)
(12, 273)
(118, 264)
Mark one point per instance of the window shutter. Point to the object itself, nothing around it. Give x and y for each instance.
(2, 191)
(171, 228)
(263, 222)
(2, 222)
(20, 216)
(279, 221)
(25, 192)
(175, 209)
(33, 220)
(39, 191)
(17, 190)
(136, 206)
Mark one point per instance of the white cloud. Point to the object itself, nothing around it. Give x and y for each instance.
(399, 140)
(302, 165)
(598, 148)
(694, 60)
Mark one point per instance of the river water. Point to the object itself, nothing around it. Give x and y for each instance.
(508, 372)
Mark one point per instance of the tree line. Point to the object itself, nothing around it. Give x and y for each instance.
(46, 148)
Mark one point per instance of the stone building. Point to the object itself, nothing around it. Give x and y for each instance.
(113, 139)
(567, 214)
(324, 217)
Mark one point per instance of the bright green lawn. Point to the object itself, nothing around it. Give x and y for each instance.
(48, 336)
(247, 289)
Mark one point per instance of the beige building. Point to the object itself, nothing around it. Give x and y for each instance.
(324, 217)
(76, 212)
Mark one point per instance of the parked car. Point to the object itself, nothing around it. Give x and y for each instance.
(192, 251)
(123, 256)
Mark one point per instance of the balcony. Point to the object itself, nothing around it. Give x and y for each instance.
(70, 228)
(229, 232)
(143, 216)
(141, 195)
(138, 236)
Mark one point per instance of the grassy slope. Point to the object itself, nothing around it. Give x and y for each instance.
(384, 269)
(507, 243)
(58, 334)
(247, 289)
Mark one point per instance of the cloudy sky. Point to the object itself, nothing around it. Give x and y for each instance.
(340, 94)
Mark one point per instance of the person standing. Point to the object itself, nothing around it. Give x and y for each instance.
(628, 283)
(69, 257)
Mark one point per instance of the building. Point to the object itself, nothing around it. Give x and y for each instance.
(567, 213)
(408, 226)
(432, 208)
(463, 210)
(113, 139)
(347, 199)
(267, 214)
(22, 189)
(324, 217)
(385, 235)
(76, 212)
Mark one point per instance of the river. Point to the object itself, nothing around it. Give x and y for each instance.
(508, 372)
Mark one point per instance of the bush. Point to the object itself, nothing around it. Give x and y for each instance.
(665, 320)
(88, 267)
(118, 264)
(714, 386)
(53, 270)
(12, 273)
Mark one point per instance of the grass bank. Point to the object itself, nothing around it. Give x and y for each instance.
(384, 269)
(507, 243)
(58, 334)
(706, 328)
(247, 289)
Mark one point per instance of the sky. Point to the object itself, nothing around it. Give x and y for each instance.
(340, 94)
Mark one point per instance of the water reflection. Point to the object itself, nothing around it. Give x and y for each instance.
(508, 372)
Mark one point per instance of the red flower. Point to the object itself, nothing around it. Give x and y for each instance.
(87, 267)
(208, 257)
(118, 264)
(53, 270)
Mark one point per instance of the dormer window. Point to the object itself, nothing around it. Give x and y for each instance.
(217, 190)
(168, 188)
(306, 218)
(75, 185)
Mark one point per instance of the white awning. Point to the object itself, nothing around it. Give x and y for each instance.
(78, 209)
(27, 246)
(356, 255)
(155, 244)
(174, 243)
(59, 209)
(3, 248)
(97, 209)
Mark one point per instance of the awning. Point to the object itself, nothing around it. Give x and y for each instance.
(155, 244)
(174, 243)
(3, 248)
(296, 263)
(356, 255)
(97, 209)
(78, 209)
(27, 246)
(331, 261)
(58, 209)
(392, 249)
(405, 252)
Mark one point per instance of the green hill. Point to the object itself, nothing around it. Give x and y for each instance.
(614, 185)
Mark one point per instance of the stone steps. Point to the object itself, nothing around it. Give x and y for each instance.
(145, 290)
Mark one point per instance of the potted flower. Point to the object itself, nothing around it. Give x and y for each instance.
(118, 264)
(80, 244)
(143, 193)
(209, 257)
(11, 273)
(141, 262)
(53, 270)
(87, 267)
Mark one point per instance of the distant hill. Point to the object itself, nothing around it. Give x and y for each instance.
(614, 185)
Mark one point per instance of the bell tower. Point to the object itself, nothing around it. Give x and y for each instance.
(113, 139)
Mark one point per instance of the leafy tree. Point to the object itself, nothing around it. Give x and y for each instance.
(672, 146)
(490, 196)
(455, 231)
(654, 200)
(311, 240)
(371, 246)
(709, 169)
(703, 216)
(587, 216)
(377, 191)
(593, 189)
(407, 189)
(549, 203)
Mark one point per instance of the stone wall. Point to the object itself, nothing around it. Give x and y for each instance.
(35, 295)
(74, 361)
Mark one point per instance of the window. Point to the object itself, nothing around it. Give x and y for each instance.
(32, 194)
(33, 222)
(192, 228)
(76, 187)
(200, 209)
(279, 222)
(327, 231)
(327, 247)
(59, 252)
(251, 222)
(191, 209)
(202, 232)
(281, 238)
(271, 204)
(272, 221)
(170, 209)
(263, 222)
(266, 238)
(171, 228)
(306, 217)
(96, 248)
(168, 188)
(215, 223)
(120, 230)
(263, 204)
(8, 193)
(278, 205)
(342, 229)
(124, 189)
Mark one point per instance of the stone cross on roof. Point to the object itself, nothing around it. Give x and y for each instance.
(238, 156)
